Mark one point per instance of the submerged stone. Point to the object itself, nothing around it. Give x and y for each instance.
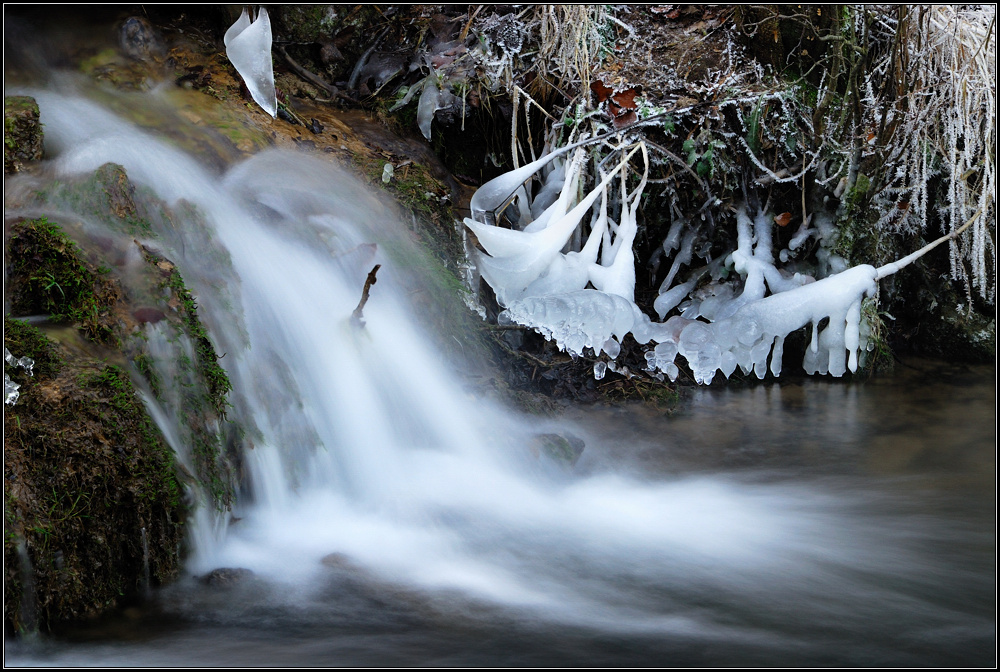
(226, 576)
(566, 448)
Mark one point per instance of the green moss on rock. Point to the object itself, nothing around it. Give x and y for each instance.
(22, 133)
(87, 477)
(47, 273)
(107, 196)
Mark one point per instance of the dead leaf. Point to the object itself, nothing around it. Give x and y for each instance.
(783, 219)
(602, 92)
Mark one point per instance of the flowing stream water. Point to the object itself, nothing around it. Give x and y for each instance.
(395, 518)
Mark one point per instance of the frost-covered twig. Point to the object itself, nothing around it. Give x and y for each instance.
(889, 269)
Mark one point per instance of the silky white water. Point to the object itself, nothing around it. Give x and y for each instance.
(367, 445)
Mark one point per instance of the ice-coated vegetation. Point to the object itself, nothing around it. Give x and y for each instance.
(584, 298)
(890, 142)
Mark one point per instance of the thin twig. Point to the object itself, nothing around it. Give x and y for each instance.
(369, 281)
(889, 269)
(305, 74)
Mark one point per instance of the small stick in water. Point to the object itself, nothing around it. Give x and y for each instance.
(369, 281)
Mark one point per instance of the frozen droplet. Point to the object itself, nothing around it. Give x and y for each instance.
(10, 390)
(611, 347)
(749, 332)
(387, 173)
(599, 369)
(26, 363)
(666, 351)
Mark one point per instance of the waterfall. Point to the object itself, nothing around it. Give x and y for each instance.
(366, 446)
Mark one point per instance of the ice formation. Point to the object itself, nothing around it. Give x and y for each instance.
(10, 388)
(584, 298)
(248, 46)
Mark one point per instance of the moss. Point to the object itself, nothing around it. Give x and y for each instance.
(47, 273)
(878, 356)
(86, 476)
(202, 386)
(208, 361)
(107, 196)
(22, 133)
(112, 68)
(564, 449)
(144, 363)
(24, 340)
(412, 186)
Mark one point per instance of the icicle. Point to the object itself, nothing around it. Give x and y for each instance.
(248, 46)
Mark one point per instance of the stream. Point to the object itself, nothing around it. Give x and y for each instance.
(394, 517)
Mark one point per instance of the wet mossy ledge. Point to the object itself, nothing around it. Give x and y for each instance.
(92, 506)
(94, 498)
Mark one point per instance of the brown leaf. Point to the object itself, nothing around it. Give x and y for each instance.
(783, 219)
(625, 99)
(624, 119)
(602, 92)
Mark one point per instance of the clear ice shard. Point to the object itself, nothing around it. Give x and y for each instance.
(248, 46)
(10, 393)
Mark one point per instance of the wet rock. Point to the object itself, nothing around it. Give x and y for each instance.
(565, 448)
(337, 561)
(224, 577)
(22, 133)
(139, 40)
(87, 478)
(149, 315)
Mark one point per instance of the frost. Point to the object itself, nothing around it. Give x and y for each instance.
(248, 46)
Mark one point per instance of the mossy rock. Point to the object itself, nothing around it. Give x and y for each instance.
(89, 487)
(47, 273)
(100, 289)
(22, 133)
(106, 196)
(563, 449)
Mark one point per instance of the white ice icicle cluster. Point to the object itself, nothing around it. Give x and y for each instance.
(248, 46)
(545, 288)
(585, 298)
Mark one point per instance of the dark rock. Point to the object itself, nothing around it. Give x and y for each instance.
(139, 40)
(337, 561)
(285, 116)
(226, 576)
(87, 479)
(150, 315)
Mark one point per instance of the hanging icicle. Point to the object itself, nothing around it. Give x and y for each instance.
(248, 46)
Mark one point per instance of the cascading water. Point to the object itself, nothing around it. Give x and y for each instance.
(370, 461)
